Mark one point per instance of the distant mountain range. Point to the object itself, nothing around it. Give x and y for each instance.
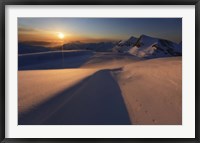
(98, 47)
(144, 47)
(24, 48)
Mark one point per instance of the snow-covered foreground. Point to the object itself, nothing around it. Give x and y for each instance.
(105, 89)
(152, 91)
(37, 86)
(96, 100)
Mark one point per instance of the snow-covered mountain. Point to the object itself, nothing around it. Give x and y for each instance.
(125, 45)
(149, 47)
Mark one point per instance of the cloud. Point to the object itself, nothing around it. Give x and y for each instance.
(26, 29)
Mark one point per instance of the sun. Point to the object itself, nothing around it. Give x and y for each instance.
(61, 35)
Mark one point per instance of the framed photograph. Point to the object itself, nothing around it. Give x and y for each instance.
(99, 71)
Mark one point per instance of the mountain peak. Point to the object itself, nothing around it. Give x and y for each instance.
(146, 36)
(132, 37)
(129, 42)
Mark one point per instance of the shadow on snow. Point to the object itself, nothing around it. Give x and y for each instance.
(96, 100)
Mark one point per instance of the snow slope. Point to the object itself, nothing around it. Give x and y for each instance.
(109, 60)
(53, 59)
(152, 91)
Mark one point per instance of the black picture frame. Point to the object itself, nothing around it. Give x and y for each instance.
(99, 2)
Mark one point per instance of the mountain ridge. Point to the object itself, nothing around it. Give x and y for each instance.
(149, 47)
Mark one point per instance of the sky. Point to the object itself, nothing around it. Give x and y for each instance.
(97, 29)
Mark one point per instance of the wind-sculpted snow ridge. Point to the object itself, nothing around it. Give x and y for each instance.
(149, 47)
(95, 100)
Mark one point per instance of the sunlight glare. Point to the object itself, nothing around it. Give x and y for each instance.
(61, 35)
